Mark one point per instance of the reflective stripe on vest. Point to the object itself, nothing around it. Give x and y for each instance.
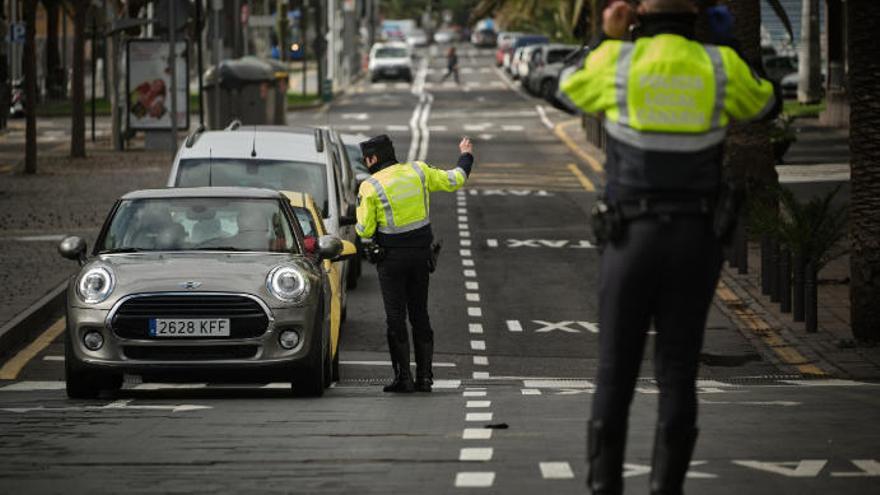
(720, 84)
(664, 141)
(383, 198)
(424, 181)
(621, 82)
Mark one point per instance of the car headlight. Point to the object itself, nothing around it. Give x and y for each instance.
(95, 285)
(288, 284)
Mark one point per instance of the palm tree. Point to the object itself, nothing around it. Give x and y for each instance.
(80, 10)
(30, 88)
(864, 93)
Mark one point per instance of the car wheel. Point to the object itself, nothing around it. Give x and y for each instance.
(548, 90)
(309, 380)
(86, 384)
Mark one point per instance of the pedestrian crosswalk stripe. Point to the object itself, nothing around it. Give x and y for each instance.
(556, 470)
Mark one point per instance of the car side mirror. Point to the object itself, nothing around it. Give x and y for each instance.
(329, 247)
(73, 248)
(349, 251)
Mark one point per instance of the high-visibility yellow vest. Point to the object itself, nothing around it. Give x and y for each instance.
(397, 199)
(668, 93)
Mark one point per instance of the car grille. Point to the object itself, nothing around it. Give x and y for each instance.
(246, 317)
(189, 353)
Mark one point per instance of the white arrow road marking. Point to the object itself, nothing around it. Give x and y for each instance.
(633, 470)
(869, 468)
(782, 403)
(792, 469)
(562, 326)
(591, 327)
(514, 243)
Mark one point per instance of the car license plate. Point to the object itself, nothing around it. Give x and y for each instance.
(190, 327)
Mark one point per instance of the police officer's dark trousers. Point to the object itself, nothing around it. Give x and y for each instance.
(404, 276)
(662, 271)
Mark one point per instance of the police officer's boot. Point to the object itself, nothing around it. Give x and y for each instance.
(424, 358)
(403, 382)
(605, 448)
(672, 456)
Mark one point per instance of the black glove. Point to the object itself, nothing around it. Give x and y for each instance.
(373, 252)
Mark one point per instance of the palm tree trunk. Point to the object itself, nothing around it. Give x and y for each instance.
(78, 93)
(810, 70)
(864, 85)
(749, 153)
(30, 88)
(54, 69)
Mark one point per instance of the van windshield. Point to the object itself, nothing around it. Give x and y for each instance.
(390, 52)
(281, 175)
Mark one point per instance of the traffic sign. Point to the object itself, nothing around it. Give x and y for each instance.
(17, 32)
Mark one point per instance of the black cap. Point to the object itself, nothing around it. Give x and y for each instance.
(382, 147)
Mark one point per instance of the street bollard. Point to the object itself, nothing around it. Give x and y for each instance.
(785, 280)
(766, 247)
(798, 264)
(811, 298)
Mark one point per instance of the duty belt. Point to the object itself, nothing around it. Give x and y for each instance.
(663, 208)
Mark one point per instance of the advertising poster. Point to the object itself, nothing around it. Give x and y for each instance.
(148, 87)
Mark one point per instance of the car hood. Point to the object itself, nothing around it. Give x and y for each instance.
(138, 273)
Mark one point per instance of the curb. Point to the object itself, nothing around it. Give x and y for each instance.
(33, 320)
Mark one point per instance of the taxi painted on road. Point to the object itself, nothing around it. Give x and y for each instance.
(201, 284)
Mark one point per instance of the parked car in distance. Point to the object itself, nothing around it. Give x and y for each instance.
(445, 36)
(504, 42)
(284, 158)
(521, 42)
(524, 63)
(484, 38)
(199, 284)
(778, 67)
(392, 60)
(544, 67)
(418, 37)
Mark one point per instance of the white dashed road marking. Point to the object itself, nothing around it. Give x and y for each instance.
(480, 454)
(474, 480)
(481, 416)
(556, 471)
(476, 434)
(514, 326)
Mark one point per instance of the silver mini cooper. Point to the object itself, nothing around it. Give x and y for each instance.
(199, 284)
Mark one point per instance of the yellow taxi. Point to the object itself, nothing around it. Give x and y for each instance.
(313, 228)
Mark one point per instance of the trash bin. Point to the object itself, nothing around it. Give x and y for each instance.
(243, 89)
(281, 75)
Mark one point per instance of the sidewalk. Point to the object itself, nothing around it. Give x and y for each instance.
(831, 352)
(65, 197)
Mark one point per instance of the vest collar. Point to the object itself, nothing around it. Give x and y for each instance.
(681, 24)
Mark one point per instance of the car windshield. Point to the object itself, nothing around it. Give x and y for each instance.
(356, 159)
(281, 175)
(557, 55)
(391, 52)
(193, 224)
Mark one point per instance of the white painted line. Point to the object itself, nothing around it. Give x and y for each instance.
(471, 454)
(53, 358)
(481, 375)
(463, 226)
(475, 327)
(359, 128)
(492, 243)
(514, 326)
(530, 391)
(467, 262)
(478, 345)
(462, 211)
(472, 297)
(397, 128)
(557, 383)
(426, 132)
(512, 128)
(472, 285)
(475, 311)
(465, 242)
(447, 384)
(480, 416)
(40, 238)
(475, 388)
(476, 434)
(463, 218)
(437, 128)
(481, 361)
(464, 233)
(474, 479)
(474, 393)
(543, 114)
(33, 386)
(470, 273)
(556, 470)
(476, 404)
(388, 363)
(465, 253)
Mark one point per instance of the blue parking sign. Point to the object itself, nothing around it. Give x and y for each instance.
(17, 32)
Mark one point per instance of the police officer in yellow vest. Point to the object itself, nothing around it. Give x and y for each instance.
(393, 211)
(667, 101)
